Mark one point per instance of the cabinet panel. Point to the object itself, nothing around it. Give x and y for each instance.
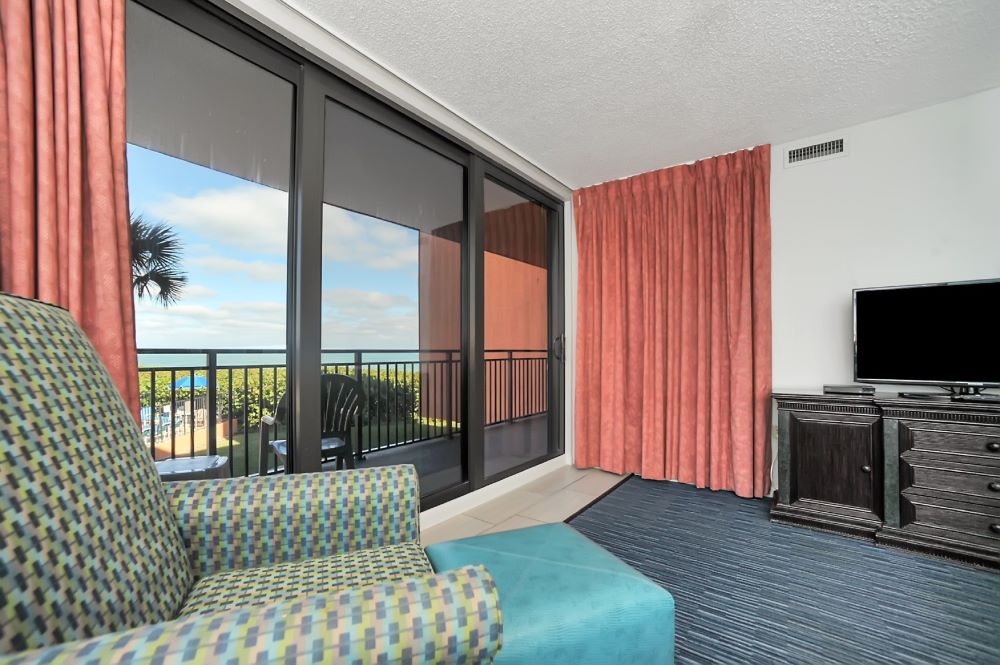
(951, 438)
(946, 476)
(835, 459)
(969, 522)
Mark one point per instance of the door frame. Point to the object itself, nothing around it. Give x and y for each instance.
(324, 89)
(556, 334)
(229, 33)
(315, 81)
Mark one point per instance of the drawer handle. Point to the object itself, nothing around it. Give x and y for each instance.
(995, 528)
(994, 446)
(866, 469)
(994, 486)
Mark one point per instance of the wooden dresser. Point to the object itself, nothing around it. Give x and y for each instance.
(917, 473)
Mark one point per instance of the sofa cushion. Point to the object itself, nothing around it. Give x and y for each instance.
(566, 599)
(286, 581)
(88, 542)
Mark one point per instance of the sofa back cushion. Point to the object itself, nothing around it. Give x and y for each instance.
(88, 544)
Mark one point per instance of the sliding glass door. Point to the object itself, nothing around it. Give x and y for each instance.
(393, 233)
(210, 135)
(337, 256)
(522, 355)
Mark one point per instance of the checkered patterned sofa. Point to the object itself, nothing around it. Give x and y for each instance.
(100, 562)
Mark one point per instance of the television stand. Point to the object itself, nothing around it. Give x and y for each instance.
(980, 398)
(939, 397)
(964, 390)
(917, 473)
(970, 394)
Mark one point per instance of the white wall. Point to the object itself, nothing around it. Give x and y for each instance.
(916, 199)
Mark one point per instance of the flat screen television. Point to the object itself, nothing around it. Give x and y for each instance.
(940, 334)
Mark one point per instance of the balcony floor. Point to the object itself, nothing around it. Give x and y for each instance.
(438, 461)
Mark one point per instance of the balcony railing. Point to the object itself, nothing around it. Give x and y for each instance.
(210, 401)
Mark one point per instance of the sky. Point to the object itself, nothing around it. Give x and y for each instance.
(234, 236)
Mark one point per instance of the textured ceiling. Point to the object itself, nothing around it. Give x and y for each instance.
(596, 90)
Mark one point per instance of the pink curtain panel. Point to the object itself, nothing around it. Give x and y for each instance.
(673, 370)
(64, 235)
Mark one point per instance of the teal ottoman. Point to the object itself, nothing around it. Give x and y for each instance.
(565, 599)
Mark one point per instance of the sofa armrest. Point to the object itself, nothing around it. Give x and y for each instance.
(451, 617)
(249, 522)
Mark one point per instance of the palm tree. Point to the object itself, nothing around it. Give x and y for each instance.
(156, 258)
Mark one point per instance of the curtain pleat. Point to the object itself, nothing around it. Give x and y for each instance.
(673, 373)
(64, 234)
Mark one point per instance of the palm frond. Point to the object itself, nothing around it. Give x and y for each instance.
(157, 251)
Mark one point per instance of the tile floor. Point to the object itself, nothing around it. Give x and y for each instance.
(551, 498)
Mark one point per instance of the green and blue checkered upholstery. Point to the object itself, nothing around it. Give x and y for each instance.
(88, 540)
(325, 574)
(100, 564)
(248, 522)
(451, 617)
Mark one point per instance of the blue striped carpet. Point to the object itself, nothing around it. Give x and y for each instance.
(751, 591)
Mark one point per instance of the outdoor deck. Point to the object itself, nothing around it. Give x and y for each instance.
(210, 401)
(439, 460)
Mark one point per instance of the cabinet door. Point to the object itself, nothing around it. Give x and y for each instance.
(836, 459)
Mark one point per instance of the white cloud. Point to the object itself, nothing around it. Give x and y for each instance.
(383, 320)
(346, 299)
(395, 259)
(388, 233)
(380, 331)
(259, 271)
(373, 242)
(352, 318)
(187, 292)
(341, 225)
(254, 218)
(248, 217)
(194, 325)
(194, 291)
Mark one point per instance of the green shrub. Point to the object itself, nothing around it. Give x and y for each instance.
(389, 395)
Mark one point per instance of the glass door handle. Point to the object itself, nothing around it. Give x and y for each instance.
(558, 345)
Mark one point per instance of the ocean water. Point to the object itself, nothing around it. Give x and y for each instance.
(270, 358)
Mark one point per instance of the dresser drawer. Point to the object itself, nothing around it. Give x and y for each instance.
(970, 522)
(972, 480)
(981, 441)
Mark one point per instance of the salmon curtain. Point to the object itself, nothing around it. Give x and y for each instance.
(64, 234)
(673, 373)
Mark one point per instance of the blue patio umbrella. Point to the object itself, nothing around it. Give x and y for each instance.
(185, 382)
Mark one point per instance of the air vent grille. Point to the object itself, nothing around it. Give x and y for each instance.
(825, 149)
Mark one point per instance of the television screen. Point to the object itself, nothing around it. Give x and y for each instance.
(939, 333)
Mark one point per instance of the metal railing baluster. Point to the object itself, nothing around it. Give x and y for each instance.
(425, 396)
(190, 415)
(451, 395)
(229, 425)
(173, 414)
(212, 406)
(358, 454)
(438, 398)
(152, 413)
(246, 423)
